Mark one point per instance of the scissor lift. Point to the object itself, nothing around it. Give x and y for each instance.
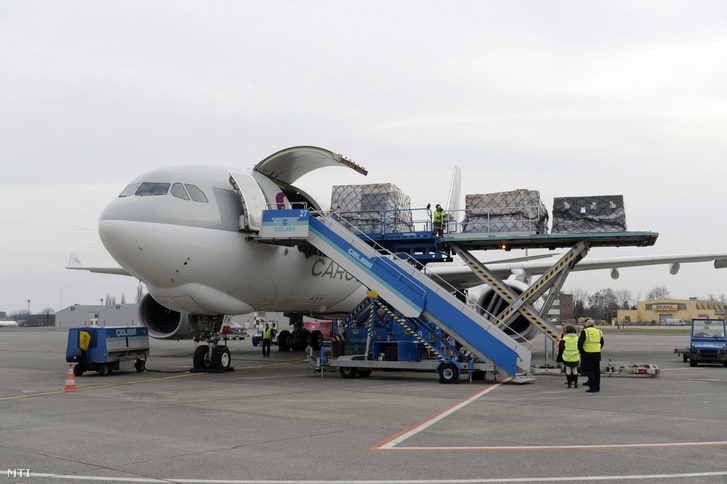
(551, 281)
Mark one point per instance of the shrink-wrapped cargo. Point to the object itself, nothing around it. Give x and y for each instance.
(517, 211)
(589, 214)
(369, 207)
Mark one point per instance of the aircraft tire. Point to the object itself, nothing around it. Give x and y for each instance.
(284, 340)
(448, 373)
(316, 339)
(347, 372)
(304, 339)
(200, 360)
(220, 358)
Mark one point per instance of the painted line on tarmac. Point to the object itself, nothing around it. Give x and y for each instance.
(143, 381)
(377, 481)
(391, 442)
(101, 386)
(567, 447)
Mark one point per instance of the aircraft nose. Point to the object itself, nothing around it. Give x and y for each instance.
(126, 226)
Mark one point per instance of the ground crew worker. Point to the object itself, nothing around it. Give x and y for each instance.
(267, 338)
(568, 354)
(438, 221)
(563, 326)
(590, 343)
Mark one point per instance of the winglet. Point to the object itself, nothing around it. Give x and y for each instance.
(74, 261)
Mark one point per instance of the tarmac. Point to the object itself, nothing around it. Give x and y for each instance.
(274, 421)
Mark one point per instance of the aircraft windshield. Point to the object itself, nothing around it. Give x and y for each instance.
(706, 329)
(130, 190)
(196, 194)
(149, 188)
(179, 190)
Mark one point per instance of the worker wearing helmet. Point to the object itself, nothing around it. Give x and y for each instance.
(590, 343)
(438, 220)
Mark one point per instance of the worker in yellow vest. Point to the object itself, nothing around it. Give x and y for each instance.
(438, 220)
(590, 343)
(267, 339)
(568, 354)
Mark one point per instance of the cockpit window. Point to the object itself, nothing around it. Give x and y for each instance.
(196, 194)
(130, 190)
(149, 188)
(179, 191)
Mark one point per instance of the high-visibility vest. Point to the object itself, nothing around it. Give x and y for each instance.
(592, 344)
(438, 215)
(267, 333)
(570, 352)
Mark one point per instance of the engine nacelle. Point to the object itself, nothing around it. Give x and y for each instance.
(492, 303)
(163, 323)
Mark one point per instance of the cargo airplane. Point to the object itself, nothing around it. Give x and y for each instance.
(188, 233)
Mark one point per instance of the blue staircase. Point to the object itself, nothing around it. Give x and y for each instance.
(404, 287)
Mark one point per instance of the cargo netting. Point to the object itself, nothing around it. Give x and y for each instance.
(590, 214)
(519, 211)
(373, 208)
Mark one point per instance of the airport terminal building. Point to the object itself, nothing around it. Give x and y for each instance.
(669, 311)
(116, 315)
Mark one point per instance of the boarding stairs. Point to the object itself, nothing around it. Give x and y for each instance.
(406, 289)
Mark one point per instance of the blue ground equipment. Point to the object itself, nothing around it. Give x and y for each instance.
(104, 349)
(708, 342)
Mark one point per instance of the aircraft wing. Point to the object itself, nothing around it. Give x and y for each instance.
(462, 277)
(74, 263)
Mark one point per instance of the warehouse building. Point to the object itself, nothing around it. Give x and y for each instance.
(671, 311)
(116, 315)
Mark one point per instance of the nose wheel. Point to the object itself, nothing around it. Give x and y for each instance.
(214, 359)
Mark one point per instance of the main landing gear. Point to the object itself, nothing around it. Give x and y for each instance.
(300, 338)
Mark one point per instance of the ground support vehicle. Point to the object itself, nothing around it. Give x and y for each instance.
(106, 349)
(377, 337)
(708, 342)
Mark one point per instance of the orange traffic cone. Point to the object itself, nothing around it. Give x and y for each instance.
(70, 381)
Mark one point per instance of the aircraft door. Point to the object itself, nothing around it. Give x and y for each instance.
(253, 201)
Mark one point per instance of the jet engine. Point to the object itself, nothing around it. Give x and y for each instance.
(491, 304)
(163, 323)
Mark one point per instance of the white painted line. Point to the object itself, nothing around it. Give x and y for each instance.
(400, 437)
(408, 481)
(573, 447)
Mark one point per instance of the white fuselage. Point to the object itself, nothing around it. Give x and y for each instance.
(194, 259)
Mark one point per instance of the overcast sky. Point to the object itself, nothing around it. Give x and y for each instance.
(565, 97)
